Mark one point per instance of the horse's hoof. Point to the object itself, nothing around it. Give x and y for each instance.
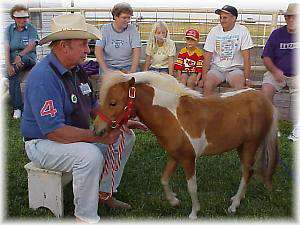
(174, 202)
(231, 209)
(193, 216)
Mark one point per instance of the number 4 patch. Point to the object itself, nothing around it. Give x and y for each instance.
(48, 109)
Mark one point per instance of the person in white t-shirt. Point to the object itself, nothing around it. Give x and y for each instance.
(227, 53)
(160, 50)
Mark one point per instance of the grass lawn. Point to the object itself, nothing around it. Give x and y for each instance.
(218, 180)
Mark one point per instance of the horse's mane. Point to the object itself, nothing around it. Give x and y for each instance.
(160, 81)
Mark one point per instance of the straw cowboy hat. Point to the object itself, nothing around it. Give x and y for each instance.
(70, 26)
(292, 9)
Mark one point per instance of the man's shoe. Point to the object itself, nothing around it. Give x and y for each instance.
(292, 137)
(17, 114)
(113, 203)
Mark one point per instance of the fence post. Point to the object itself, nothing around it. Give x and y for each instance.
(274, 20)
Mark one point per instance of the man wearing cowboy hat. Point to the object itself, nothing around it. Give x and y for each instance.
(279, 55)
(227, 53)
(58, 103)
(20, 53)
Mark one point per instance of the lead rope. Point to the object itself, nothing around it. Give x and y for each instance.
(114, 164)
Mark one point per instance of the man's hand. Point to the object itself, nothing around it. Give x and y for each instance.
(10, 70)
(278, 76)
(110, 137)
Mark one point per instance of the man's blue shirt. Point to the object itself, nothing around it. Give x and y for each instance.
(47, 105)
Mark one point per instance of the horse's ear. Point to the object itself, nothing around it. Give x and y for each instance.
(131, 82)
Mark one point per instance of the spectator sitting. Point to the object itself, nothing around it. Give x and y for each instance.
(20, 53)
(189, 61)
(227, 53)
(120, 45)
(160, 50)
(279, 55)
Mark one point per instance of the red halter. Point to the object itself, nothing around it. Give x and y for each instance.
(124, 116)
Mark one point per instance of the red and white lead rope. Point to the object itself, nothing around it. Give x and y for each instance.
(111, 162)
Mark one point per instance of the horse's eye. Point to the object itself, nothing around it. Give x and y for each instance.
(113, 103)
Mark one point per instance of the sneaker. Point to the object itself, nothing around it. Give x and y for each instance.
(278, 134)
(292, 137)
(17, 114)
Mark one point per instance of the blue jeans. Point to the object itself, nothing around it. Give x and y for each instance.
(14, 83)
(160, 70)
(85, 161)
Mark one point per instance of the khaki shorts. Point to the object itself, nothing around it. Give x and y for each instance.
(225, 74)
(288, 81)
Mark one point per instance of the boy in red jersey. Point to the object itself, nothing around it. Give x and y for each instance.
(189, 61)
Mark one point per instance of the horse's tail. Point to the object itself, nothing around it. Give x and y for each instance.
(269, 153)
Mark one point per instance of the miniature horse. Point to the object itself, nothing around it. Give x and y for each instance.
(188, 125)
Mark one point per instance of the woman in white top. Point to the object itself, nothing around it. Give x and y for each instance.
(160, 50)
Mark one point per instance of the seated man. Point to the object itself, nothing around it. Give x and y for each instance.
(58, 104)
(227, 53)
(279, 55)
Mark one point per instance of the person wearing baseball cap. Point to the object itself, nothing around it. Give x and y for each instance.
(227, 53)
(279, 58)
(279, 55)
(58, 105)
(188, 65)
(20, 53)
(228, 9)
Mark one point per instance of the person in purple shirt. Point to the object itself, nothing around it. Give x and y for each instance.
(279, 55)
(58, 103)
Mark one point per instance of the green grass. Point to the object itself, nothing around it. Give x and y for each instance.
(218, 178)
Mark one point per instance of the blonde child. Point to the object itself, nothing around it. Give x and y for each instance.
(160, 50)
(189, 61)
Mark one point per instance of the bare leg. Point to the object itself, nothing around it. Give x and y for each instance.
(191, 82)
(190, 173)
(237, 81)
(268, 90)
(169, 170)
(183, 78)
(210, 83)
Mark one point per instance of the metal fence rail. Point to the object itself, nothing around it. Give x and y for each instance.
(259, 22)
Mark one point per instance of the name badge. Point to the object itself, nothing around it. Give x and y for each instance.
(25, 41)
(85, 88)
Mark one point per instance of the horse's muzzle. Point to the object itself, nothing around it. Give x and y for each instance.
(99, 130)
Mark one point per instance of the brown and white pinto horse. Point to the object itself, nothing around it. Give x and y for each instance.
(188, 125)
